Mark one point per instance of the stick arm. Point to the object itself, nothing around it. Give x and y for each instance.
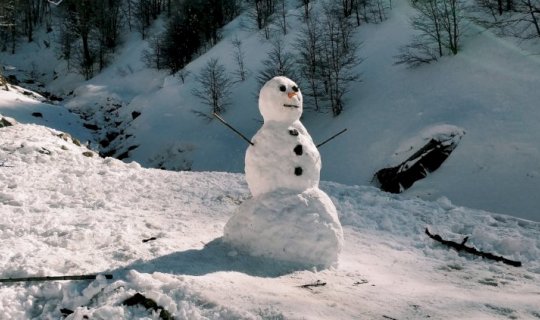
(233, 129)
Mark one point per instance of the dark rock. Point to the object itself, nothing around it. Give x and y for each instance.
(55, 98)
(149, 304)
(37, 114)
(91, 126)
(7, 122)
(109, 153)
(135, 114)
(424, 161)
(89, 154)
(104, 143)
(123, 156)
(13, 79)
(112, 135)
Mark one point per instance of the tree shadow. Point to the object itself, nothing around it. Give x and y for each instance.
(214, 257)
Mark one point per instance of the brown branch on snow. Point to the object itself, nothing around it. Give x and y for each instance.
(81, 277)
(462, 247)
(149, 239)
(317, 283)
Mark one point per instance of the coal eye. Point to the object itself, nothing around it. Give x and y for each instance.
(295, 88)
(282, 88)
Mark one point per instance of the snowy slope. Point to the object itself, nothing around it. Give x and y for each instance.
(66, 213)
(489, 90)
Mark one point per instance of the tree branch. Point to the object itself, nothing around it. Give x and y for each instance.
(81, 277)
(462, 247)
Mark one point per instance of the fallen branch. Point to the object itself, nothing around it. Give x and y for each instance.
(317, 283)
(81, 277)
(462, 247)
(149, 239)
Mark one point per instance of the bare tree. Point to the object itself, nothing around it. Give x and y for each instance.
(339, 57)
(261, 12)
(183, 74)
(214, 86)
(239, 57)
(439, 24)
(517, 18)
(8, 23)
(154, 56)
(309, 60)
(281, 19)
(279, 62)
(305, 4)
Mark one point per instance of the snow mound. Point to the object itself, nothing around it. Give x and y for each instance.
(302, 228)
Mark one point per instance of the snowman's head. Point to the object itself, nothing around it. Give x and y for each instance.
(280, 100)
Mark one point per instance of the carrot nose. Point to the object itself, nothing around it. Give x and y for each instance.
(291, 94)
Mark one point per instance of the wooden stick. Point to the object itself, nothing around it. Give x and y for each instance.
(332, 137)
(317, 283)
(81, 277)
(233, 129)
(462, 247)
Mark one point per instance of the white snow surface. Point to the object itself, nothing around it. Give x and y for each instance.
(296, 227)
(63, 213)
(489, 90)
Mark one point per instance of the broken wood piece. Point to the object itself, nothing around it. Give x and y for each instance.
(317, 283)
(149, 239)
(462, 247)
(59, 278)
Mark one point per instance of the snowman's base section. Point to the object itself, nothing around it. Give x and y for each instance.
(283, 225)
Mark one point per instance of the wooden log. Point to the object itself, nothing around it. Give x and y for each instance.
(57, 278)
(462, 247)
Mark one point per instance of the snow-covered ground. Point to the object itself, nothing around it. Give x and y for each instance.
(65, 213)
(489, 90)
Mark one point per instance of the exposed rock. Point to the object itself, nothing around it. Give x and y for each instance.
(135, 114)
(7, 122)
(424, 161)
(89, 154)
(91, 126)
(37, 114)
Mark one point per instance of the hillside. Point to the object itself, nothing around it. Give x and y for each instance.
(488, 90)
(65, 213)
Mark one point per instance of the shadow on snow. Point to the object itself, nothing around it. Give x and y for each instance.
(214, 257)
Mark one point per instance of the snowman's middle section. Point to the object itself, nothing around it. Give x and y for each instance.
(283, 156)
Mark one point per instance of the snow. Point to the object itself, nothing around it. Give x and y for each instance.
(65, 213)
(489, 90)
(283, 225)
(64, 210)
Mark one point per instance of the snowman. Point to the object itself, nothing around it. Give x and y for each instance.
(288, 218)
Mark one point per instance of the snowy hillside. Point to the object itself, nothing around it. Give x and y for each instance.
(489, 90)
(66, 211)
